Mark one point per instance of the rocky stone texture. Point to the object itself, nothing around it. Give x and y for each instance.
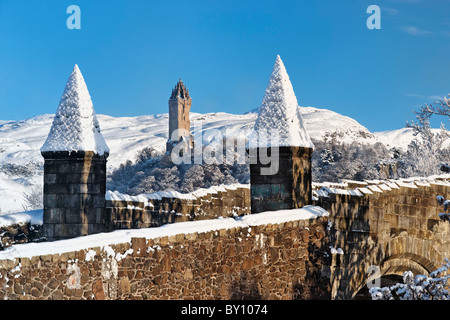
(74, 194)
(128, 215)
(281, 261)
(289, 188)
(394, 226)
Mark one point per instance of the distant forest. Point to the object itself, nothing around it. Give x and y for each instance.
(331, 161)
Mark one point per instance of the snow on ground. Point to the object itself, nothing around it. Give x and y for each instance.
(323, 124)
(12, 190)
(21, 140)
(29, 250)
(34, 217)
(400, 138)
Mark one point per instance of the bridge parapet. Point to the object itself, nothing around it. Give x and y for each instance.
(393, 225)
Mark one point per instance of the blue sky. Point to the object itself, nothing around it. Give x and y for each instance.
(132, 53)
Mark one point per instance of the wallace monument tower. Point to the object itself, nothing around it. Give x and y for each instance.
(179, 125)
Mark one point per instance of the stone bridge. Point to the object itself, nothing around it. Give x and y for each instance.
(387, 226)
(383, 228)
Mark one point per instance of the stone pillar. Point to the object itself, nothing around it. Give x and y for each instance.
(289, 188)
(74, 194)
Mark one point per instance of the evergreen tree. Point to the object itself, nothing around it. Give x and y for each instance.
(420, 287)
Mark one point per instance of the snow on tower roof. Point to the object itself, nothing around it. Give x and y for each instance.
(75, 126)
(280, 111)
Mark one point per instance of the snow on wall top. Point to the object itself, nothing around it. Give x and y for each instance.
(75, 126)
(117, 196)
(123, 236)
(324, 189)
(34, 217)
(279, 111)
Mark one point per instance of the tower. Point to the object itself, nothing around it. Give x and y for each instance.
(179, 124)
(282, 180)
(75, 156)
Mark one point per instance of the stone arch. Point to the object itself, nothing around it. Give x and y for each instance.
(420, 254)
(405, 253)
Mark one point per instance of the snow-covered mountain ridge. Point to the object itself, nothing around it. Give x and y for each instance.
(20, 141)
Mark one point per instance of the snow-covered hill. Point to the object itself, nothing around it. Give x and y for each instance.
(20, 141)
(400, 138)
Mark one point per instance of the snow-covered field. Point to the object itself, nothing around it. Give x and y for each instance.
(20, 141)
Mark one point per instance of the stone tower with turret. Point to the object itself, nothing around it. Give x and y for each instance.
(179, 124)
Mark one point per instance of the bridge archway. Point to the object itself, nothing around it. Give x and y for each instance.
(421, 258)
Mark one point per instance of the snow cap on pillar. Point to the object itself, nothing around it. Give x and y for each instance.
(75, 126)
(280, 112)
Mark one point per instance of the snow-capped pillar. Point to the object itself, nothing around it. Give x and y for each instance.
(280, 142)
(75, 155)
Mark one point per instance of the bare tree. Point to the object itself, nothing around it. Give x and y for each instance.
(439, 108)
(33, 199)
(426, 153)
(421, 287)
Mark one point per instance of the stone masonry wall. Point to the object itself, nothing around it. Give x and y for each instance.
(394, 225)
(290, 185)
(279, 261)
(134, 213)
(74, 194)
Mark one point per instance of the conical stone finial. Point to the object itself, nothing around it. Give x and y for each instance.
(280, 112)
(75, 126)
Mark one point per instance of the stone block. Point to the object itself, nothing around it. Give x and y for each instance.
(64, 231)
(291, 184)
(78, 188)
(50, 178)
(98, 201)
(54, 215)
(74, 215)
(139, 246)
(96, 215)
(48, 230)
(50, 201)
(71, 200)
(65, 167)
(124, 286)
(97, 290)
